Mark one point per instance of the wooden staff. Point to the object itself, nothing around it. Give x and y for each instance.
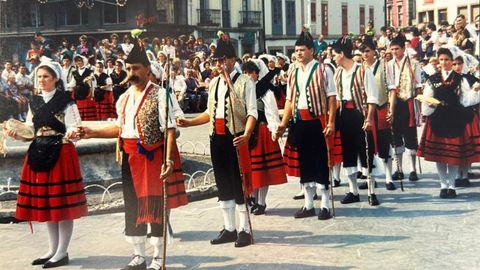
(230, 90)
(369, 175)
(330, 172)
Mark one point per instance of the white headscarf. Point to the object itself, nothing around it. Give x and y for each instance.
(55, 66)
(261, 66)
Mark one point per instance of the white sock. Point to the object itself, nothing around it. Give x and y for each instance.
(255, 195)
(463, 171)
(399, 157)
(262, 195)
(364, 171)
(336, 171)
(65, 230)
(413, 160)
(452, 173)
(228, 209)
(352, 183)
(309, 194)
(52, 228)
(156, 263)
(388, 170)
(371, 183)
(325, 196)
(157, 243)
(243, 218)
(442, 173)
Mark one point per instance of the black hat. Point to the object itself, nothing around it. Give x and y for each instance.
(344, 44)
(367, 43)
(305, 38)
(138, 54)
(399, 40)
(224, 47)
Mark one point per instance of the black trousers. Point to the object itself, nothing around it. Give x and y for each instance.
(131, 206)
(403, 134)
(350, 123)
(225, 168)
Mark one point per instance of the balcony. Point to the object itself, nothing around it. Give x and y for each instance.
(209, 17)
(226, 18)
(250, 19)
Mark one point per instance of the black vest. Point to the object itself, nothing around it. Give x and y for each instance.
(82, 90)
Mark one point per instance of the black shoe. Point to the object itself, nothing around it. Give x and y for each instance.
(303, 213)
(462, 182)
(471, 175)
(141, 266)
(315, 197)
(364, 185)
(336, 183)
(253, 208)
(398, 175)
(390, 186)
(413, 176)
(372, 200)
(350, 198)
(251, 201)
(156, 264)
(324, 214)
(244, 239)
(299, 197)
(224, 237)
(40, 261)
(260, 210)
(451, 193)
(359, 174)
(443, 193)
(63, 261)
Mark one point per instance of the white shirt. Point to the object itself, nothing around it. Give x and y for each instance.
(169, 51)
(250, 98)
(394, 68)
(129, 129)
(126, 48)
(302, 81)
(23, 79)
(369, 84)
(271, 111)
(6, 74)
(72, 116)
(468, 97)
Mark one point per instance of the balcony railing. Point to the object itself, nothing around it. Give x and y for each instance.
(226, 18)
(209, 17)
(250, 19)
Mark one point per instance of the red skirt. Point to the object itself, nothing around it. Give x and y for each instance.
(87, 108)
(106, 107)
(456, 151)
(148, 185)
(55, 195)
(266, 159)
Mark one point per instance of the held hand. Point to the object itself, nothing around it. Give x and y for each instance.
(84, 133)
(390, 118)
(329, 130)
(72, 135)
(367, 125)
(167, 170)
(476, 87)
(280, 131)
(241, 139)
(182, 122)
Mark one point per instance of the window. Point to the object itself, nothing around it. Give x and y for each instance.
(399, 16)
(69, 14)
(277, 26)
(362, 20)
(422, 17)
(245, 5)
(313, 12)
(325, 18)
(344, 18)
(371, 15)
(442, 15)
(475, 12)
(32, 14)
(290, 12)
(114, 14)
(462, 10)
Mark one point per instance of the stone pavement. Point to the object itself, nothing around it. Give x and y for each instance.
(410, 230)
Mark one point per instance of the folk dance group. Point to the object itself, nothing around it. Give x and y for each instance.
(346, 113)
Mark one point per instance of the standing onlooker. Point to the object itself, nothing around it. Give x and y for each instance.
(127, 45)
(46, 44)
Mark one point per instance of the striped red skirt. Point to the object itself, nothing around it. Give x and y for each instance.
(266, 159)
(456, 151)
(88, 109)
(106, 107)
(55, 195)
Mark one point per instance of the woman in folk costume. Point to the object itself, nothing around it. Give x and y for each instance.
(265, 154)
(311, 104)
(404, 76)
(103, 94)
(462, 179)
(141, 129)
(448, 138)
(230, 116)
(83, 84)
(383, 113)
(119, 80)
(51, 188)
(358, 97)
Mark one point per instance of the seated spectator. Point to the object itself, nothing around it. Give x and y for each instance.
(24, 82)
(12, 93)
(179, 87)
(8, 71)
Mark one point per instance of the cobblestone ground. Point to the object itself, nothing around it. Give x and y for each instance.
(409, 230)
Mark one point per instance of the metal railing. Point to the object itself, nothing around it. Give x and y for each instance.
(250, 19)
(209, 17)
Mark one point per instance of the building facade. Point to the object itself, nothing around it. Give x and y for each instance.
(400, 13)
(446, 10)
(330, 18)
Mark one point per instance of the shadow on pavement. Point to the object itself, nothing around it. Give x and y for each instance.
(396, 212)
(268, 266)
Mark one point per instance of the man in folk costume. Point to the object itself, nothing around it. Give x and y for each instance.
(266, 156)
(447, 137)
(310, 103)
(404, 76)
(358, 97)
(230, 132)
(382, 113)
(141, 130)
